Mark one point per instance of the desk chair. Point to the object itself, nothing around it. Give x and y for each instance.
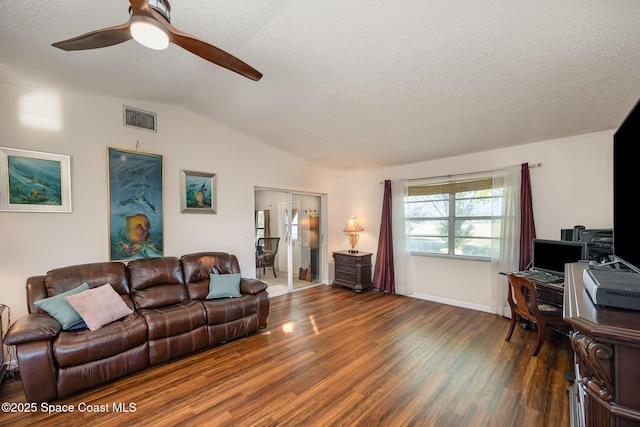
(269, 246)
(524, 304)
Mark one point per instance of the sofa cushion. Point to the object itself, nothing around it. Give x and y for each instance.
(164, 349)
(227, 310)
(157, 282)
(199, 266)
(60, 309)
(115, 273)
(224, 286)
(80, 347)
(99, 306)
(174, 319)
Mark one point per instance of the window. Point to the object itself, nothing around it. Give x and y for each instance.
(452, 219)
(294, 224)
(260, 224)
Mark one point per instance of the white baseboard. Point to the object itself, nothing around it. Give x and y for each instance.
(455, 303)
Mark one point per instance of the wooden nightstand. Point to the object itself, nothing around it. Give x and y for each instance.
(353, 270)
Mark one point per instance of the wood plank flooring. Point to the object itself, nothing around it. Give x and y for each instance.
(330, 357)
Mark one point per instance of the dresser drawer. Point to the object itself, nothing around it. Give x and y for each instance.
(346, 268)
(344, 259)
(345, 277)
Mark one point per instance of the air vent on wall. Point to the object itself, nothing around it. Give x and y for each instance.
(139, 119)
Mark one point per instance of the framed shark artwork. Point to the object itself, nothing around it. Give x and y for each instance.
(135, 204)
(198, 192)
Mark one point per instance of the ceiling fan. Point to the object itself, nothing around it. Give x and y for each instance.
(150, 25)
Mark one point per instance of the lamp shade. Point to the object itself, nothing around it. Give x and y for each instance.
(149, 33)
(352, 225)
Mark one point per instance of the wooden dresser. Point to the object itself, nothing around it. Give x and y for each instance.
(353, 270)
(606, 345)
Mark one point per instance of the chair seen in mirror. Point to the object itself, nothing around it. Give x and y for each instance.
(266, 253)
(524, 304)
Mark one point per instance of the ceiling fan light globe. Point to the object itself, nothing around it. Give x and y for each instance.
(149, 35)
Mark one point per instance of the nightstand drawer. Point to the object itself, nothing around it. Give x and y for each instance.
(345, 277)
(345, 268)
(344, 259)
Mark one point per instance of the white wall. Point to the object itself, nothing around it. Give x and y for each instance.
(574, 185)
(33, 243)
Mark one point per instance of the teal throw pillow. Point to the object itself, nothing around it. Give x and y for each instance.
(60, 309)
(224, 286)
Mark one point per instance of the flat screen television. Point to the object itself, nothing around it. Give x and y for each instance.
(551, 255)
(626, 243)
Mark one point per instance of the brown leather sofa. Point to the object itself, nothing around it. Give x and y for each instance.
(171, 318)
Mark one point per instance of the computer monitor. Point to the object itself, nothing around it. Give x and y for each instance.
(625, 217)
(552, 255)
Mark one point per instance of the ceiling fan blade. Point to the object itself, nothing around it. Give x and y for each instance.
(141, 10)
(211, 53)
(96, 39)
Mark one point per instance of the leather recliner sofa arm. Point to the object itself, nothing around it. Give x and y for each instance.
(32, 327)
(252, 286)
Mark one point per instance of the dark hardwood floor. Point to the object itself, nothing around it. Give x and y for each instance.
(330, 357)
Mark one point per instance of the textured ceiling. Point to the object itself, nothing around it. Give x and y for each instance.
(384, 82)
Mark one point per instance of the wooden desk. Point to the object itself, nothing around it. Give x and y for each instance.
(606, 345)
(550, 293)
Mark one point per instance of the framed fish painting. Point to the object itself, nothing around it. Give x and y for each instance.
(198, 192)
(135, 204)
(31, 181)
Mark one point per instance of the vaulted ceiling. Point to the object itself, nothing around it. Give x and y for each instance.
(385, 82)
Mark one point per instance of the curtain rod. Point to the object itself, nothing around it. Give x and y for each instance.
(531, 166)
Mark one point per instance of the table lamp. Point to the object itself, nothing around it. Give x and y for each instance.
(352, 228)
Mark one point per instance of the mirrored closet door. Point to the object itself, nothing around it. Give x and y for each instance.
(294, 220)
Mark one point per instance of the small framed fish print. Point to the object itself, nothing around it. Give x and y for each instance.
(198, 192)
